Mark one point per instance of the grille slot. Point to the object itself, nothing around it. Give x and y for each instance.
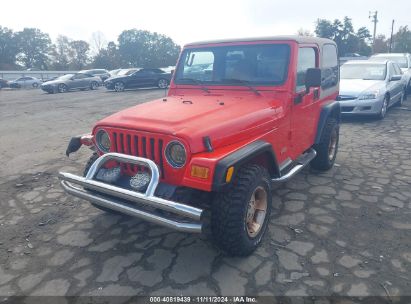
(136, 145)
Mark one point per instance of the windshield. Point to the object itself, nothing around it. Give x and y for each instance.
(264, 64)
(66, 77)
(400, 60)
(126, 72)
(363, 71)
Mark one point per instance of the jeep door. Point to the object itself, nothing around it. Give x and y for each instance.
(303, 109)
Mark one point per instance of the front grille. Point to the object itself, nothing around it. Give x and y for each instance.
(142, 146)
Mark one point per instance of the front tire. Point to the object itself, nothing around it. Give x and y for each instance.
(35, 85)
(240, 215)
(384, 108)
(328, 147)
(62, 88)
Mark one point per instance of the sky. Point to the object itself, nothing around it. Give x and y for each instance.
(187, 21)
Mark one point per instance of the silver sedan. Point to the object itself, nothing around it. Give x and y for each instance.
(69, 82)
(370, 87)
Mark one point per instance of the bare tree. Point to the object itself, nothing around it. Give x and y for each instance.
(97, 42)
(304, 32)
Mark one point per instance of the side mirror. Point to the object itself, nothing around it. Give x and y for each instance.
(172, 73)
(312, 78)
(395, 77)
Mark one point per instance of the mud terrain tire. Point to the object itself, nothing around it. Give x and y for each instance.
(230, 211)
(328, 147)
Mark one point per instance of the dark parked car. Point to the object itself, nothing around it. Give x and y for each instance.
(103, 74)
(78, 81)
(140, 78)
(3, 83)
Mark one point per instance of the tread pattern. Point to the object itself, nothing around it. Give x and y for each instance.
(229, 209)
(321, 161)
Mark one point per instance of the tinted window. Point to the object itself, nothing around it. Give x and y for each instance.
(329, 70)
(81, 76)
(264, 64)
(397, 70)
(364, 71)
(306, 60)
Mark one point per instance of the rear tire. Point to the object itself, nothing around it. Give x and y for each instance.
(162, 83)
(240, 215)
(119, 86)
(328, 147)
(93, 85)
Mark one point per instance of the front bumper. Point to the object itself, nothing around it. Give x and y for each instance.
(146, 206)
(361, 107)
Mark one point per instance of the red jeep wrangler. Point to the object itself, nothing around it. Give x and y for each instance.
(239, 116)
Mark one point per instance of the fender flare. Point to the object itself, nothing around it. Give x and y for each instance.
(331, 109)
(241, 157)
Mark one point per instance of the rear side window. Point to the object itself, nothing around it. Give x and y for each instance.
(329, 66)
(306, 60)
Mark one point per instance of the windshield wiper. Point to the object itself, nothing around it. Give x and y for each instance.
(243, 82)
(197, 82)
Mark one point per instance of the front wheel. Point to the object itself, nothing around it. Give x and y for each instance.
(240, 215)
(384, 108)
(62, 88)
(35, 85)
(327, 147)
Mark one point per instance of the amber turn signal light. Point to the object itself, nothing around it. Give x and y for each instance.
(229, 175)
(200, 172)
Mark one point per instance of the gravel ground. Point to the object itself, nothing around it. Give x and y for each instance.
(344, 232)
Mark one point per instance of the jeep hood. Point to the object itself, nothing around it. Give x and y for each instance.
(225, 120)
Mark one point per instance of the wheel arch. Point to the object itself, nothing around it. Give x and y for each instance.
(331, 109)
(258, 152)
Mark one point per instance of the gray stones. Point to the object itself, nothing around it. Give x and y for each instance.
(319, 230)
(187, 267)
(393, 202)
(114, 266)
(294, 206)
(358, 290)
(102, 247)
(323, 190)
(348, 261)
(57, 287)
(83, 276)
(323, 271)
(263, 275)
(301, 248)
(288, 260)
(145, 277)
(363, 273)
(228, 286)
(320, 257)
(31, 280)
(61, 257)
(291, 220)
(5, 277)
(75, 238)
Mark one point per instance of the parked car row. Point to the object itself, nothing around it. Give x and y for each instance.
(371, 87)
(121, 80)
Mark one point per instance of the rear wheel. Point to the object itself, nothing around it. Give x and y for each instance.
(62, 88)
(93, 85)
(119, 86)
(35, 85)
(327, 148)
(162, 83)
(240, 215)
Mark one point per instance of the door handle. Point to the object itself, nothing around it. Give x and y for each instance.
(316, 94)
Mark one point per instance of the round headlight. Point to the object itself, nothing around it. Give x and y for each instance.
(103, 141)
(176, 154)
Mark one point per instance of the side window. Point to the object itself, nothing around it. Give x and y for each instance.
(329, 66)
(397, 70)
(306, 60)
(392, 71)
(199, 65)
